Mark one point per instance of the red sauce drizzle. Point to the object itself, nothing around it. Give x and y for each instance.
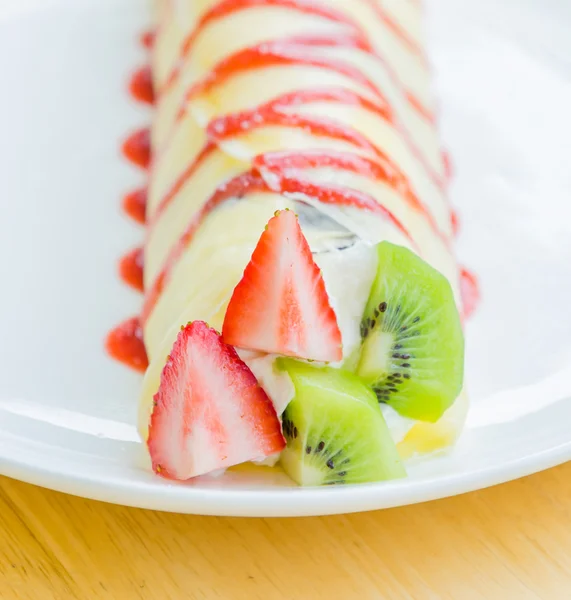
(125, 344)
(279, 163)
(141, 85)
(420, 108)
(252, 181)
(235, 124)
(293, 51)
(227, 7)
(147, 39)
(131, 269)
(272, 113)
(137, 148)
(236, 187)
(455, 220)
(448, 168)
(328, 94)
(396, 28)
(181, 180)
(285, 52)
(470, 292)
(135, 205)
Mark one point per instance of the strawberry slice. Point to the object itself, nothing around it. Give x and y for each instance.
(210, 412)
(281, 304)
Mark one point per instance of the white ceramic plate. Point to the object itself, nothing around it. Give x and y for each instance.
(67, 412)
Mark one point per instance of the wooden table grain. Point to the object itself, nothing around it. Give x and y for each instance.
(508, 542)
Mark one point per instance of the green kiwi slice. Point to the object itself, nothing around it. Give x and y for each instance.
(334, 429)
(412, 353)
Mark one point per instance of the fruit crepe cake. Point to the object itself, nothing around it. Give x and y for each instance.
(301, 289)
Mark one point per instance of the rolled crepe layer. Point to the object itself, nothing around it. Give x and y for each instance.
(321, 107)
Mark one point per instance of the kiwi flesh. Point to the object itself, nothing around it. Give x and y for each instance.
(412, 352)
(334, 430)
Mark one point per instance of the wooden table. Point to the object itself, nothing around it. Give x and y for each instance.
(510, 542)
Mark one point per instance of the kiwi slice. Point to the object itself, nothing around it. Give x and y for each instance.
(334, 429)
(412, 354)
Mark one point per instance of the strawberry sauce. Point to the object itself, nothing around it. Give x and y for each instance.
(181, 180)
(284, 52)
(274, 113)
(396, 29)
(131, 269)
(470, 292)
(251, 181)
(448, 168)
(141, 85)
(147, 39)
(135, 205)
(296, 51)
(237, 187)
(455, 221)
(137, 148)
(279, 163)
(291, 170)
(227, 7)
(125, 344)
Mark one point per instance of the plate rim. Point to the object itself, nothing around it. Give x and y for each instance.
(279, 501)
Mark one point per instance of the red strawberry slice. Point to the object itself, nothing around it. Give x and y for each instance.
(281, 304)
(210, 412)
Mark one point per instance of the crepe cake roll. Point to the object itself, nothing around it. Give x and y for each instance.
(320, 107)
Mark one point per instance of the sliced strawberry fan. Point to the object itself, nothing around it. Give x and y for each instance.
(281, 305)
(209, 412)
